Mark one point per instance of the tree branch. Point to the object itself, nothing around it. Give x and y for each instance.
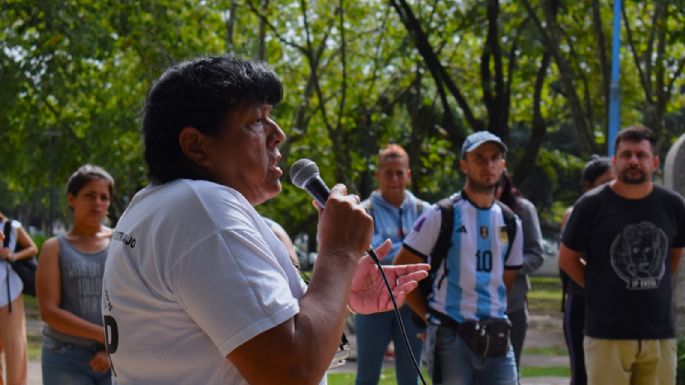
(604, 65)
(636, 57)
(539, 126)
(432, 62)
(273, 29)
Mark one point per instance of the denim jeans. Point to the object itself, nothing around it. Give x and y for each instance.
(374, 332)
(459, 365)
(65, 363)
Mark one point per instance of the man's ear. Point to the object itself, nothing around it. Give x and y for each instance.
(462, 165)
(191, 141)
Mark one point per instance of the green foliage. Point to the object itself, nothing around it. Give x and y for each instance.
(75, 74)
(79, 73)
(680, 371)
(554, 184)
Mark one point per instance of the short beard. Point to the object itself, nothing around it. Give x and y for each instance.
(481, 188)
(623, 176)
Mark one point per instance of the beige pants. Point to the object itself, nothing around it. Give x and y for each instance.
(630, 362)
(13, 338)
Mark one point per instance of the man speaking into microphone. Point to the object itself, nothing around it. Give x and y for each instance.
(203, 292)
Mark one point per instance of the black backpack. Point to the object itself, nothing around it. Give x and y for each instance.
(25, 268)
(439, 253)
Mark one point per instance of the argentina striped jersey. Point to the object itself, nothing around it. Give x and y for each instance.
(469, 284)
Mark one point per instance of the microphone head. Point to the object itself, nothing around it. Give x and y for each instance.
(302, 171)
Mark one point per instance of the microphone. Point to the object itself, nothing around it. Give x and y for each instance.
(305, 174)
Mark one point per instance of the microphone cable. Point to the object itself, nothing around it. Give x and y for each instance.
(377, 260)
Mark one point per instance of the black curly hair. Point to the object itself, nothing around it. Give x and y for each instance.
(199, 93)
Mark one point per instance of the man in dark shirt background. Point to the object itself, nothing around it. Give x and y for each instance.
(631, 233)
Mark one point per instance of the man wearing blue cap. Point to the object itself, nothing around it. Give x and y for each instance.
(468, 331)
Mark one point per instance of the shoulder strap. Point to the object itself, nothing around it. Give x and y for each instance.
(420, 205)
(510, 222)
(442, 245)
(7, 230)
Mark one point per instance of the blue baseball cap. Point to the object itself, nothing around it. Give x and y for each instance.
(478, 138)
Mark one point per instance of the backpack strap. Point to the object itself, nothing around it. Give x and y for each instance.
(444, 241)
(420, 206)
(7, 230)
(510, 223)
(442, 244)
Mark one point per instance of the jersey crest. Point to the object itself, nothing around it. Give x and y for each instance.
(484, 232)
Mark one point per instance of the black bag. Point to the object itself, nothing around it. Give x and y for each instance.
(25, 267)
(487, 338)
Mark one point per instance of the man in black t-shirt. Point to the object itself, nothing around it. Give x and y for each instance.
(631, 234)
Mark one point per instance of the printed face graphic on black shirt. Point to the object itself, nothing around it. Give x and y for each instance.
(638, 255)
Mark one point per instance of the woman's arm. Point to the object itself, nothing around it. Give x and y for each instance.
(49, 293)
(24, 240)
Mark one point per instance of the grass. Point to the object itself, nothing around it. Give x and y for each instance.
(552, 351)
(545, 295)
(34, 346)
(388, 375)
(387, 378)
(533, 371)
(34, 340)
(30, 306)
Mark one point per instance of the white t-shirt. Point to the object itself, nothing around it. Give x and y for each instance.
(193, 272)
